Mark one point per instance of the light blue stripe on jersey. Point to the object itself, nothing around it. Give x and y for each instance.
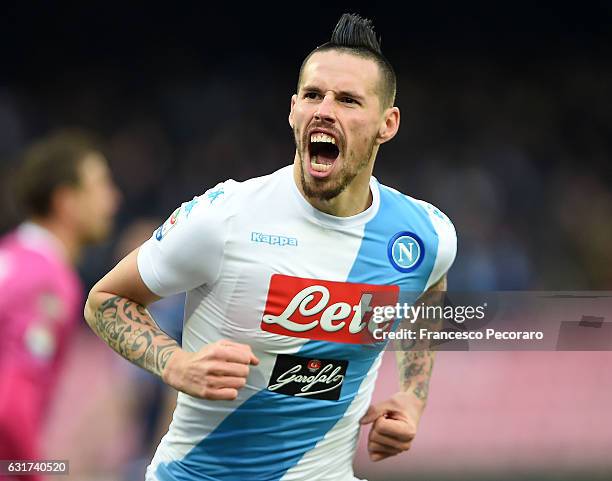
(270, 432)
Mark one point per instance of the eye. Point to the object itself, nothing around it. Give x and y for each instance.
(311, 95)
(349, 100)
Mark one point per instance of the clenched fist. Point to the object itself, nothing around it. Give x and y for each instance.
(395, 425)
(215, 372)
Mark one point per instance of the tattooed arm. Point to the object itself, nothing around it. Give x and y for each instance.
(415, 366)
(395, 420)
(127, 327)
(116, 312)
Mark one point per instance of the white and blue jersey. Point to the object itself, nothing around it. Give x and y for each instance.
(261, 266)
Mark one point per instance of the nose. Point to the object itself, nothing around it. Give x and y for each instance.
(325, 111)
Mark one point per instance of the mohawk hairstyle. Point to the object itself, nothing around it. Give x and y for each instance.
(355, 35)
(354, 31)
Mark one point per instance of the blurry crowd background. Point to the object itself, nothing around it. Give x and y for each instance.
(506, 120)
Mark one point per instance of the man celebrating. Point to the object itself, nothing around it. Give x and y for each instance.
(66, 190)
(282, 273)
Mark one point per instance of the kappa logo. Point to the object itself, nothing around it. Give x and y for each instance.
(212, 196)
(406, 251)
(274, 240)
(185, 208)
(190, 205)
(438, 213)
(325, 310)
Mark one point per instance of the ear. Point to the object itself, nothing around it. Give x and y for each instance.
(293, 99)
(389, 126)
(64, 202)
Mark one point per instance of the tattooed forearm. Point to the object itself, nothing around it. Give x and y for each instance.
(128, 328)
(416, 364)
(415, 371)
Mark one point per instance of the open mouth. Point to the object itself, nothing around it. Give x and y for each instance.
(323, 151)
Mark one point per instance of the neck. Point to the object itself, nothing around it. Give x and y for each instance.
(65, 235)
(353, 200)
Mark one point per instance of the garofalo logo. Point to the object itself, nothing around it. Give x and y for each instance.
(308, 377)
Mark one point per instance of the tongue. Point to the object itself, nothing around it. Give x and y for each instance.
(321, 164)
(322, 158)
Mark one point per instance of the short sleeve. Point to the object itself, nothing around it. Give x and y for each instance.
(447, 243)
(186, 251)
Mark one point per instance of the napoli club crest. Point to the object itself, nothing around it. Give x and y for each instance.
(406, 251)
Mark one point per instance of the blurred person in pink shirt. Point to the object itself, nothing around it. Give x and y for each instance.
(65, 189)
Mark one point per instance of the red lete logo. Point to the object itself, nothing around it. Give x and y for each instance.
(325, 310)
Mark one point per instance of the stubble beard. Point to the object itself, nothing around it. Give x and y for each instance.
(328, 189)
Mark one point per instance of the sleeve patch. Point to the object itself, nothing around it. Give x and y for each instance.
(163, 229)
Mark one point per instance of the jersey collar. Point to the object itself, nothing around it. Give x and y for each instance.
(333, 221)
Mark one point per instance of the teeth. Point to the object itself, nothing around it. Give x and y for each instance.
(319, 137)
(319, 167)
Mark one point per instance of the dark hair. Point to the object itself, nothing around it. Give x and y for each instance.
(49, 163)
(355, 35)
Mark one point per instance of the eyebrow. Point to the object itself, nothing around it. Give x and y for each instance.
(341, 93)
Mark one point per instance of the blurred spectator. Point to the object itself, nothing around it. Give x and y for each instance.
(69, 200)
